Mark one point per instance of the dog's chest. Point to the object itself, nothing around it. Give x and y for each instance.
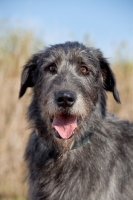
(67, 178)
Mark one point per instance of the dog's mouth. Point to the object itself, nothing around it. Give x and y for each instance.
(65, 125)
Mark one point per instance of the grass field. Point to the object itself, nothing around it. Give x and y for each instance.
(15, 48)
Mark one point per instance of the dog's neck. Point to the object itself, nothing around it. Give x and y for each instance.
(83, 140)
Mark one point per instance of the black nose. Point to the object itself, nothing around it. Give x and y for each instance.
(65, 98)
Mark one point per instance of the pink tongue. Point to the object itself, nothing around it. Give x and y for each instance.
(65, 125)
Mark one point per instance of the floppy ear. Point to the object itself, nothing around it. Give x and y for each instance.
(109, 81)
(28, 76)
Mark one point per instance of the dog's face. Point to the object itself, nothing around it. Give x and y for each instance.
(69, 81)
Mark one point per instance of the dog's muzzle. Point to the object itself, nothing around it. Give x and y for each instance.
(65, 122)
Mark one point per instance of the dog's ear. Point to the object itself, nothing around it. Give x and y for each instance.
(109, 81)
(28, 76)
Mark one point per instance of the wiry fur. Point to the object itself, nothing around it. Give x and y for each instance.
(100, 169)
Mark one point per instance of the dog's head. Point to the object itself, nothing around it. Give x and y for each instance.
(69, 81)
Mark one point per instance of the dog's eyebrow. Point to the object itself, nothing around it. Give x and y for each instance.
(83, 61)
(51, 59)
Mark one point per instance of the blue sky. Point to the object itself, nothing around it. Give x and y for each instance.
(107, 22)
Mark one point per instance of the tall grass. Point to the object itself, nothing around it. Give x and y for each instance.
(16, 46)
(124, 75)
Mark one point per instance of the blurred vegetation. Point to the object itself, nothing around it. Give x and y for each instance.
(16, 46)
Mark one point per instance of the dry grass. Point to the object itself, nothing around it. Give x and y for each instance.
(15, 48)
(124, 74)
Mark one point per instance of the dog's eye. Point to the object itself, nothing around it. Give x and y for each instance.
(52, 68)
(84, 70)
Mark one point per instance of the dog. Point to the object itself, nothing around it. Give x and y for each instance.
(77, 150)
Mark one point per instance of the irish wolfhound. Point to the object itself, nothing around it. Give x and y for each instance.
(77, 151)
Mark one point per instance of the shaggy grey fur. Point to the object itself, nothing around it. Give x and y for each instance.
(70, 80)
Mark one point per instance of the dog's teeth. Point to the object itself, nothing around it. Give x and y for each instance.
(72, 133)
